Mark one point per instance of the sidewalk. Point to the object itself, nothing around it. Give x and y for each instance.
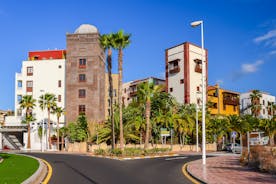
(227, 169)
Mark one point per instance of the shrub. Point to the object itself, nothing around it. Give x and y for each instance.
(156, 151)
(132, 152)
(116, 152)
(99, 152)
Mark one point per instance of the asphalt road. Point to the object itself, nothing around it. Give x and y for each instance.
(81, 169)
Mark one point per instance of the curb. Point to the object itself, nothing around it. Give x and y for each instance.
(134, 157)
(39, 174)
(191, 177)
(49, 174)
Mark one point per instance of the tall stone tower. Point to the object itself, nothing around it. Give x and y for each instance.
(85, 75)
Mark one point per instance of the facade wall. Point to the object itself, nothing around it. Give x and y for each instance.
(130, 88)
(46, 75)
(265, 100)
(216, 97)
(175, 88)
(115, 93)
(185, 83)
(85, 46)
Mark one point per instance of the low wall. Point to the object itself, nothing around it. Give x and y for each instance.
(84, 147)
(77, 147)
(261, 157)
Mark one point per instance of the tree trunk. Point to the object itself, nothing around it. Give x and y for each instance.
(147, 124)
(271, 139)
(49, 130)
(241, 143)
(109, 68)
(62, 143)
(29, 136)
(58, 133)
(120, 70)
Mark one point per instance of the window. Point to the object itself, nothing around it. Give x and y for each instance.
(81, 109)
(59, 83)
(171, 89)
(263, 111)
(59, 66)
(181, 81)
(29, 71)
(125, 90)
(82, 78)
(235, 108)
(197, 88)
(19, 98)
(263, 102)
(198, 101)
(82, 93)
(224, 107)
(19, 84)
(59, 98)
(82, 63)
(29, 86)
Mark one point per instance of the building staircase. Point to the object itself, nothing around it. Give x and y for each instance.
(12, 142)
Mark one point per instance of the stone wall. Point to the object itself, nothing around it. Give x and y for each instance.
(84, 147)
(261, 157)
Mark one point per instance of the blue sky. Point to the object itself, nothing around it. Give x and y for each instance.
(240, 36)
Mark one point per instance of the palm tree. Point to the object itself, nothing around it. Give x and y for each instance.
(146, 92)
(28, 103)
(63, 131)
(48, 101)
(269, 126)
(255, 102)
(107, 42)
(239, 125)
(121, 41)
(58, 111)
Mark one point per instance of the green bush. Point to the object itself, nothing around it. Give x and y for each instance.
(99, 152)
(116, 152)
(133, 152)
(156, 151)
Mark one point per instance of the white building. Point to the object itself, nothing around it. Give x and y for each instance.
(44, 72)
(265, 103)
(184, 72)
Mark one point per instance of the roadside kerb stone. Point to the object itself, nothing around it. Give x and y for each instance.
(134, 157)
(40, 173)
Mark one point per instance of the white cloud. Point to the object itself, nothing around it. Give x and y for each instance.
(219, 81)
(270, 35)
(252, 67)
(272, 52)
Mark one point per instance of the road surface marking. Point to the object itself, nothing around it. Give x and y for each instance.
(50, 171)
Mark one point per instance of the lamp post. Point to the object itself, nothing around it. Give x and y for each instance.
(42, 142)
(195, 24)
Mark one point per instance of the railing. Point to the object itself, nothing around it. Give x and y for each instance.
(230, 101)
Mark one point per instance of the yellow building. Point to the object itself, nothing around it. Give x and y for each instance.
(115, 78)
(223, 102)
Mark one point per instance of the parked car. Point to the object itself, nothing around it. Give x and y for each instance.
(231, 147)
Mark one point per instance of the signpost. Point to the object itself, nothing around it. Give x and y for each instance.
(164, 133)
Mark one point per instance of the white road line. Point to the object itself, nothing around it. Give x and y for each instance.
(175, 158)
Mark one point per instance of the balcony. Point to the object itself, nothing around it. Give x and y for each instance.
(176, 69)
(198, 68)
(133, 93)
(231, 101)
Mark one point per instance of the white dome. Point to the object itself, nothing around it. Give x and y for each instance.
(86, 28)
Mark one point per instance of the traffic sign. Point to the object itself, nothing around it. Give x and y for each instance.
(234, 134)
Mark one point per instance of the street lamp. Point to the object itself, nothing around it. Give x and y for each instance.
(195, 24)
(43, 105)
